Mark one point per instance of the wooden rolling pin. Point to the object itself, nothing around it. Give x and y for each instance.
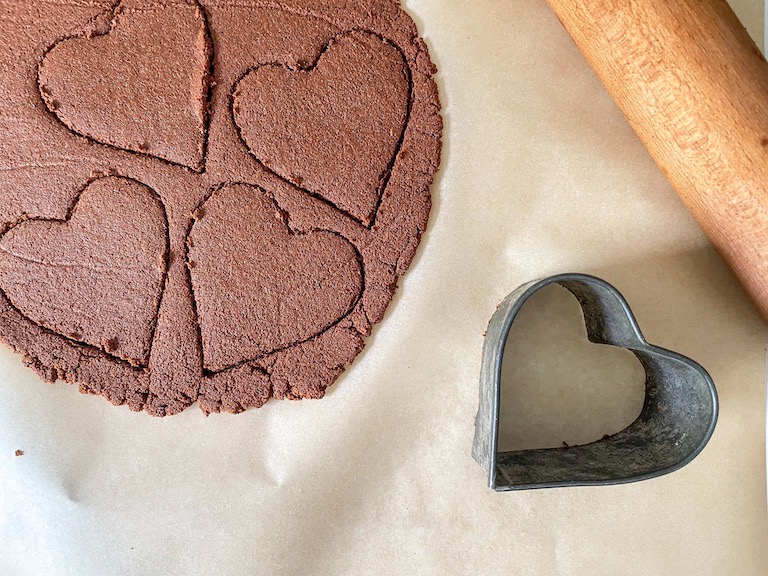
(694, 87)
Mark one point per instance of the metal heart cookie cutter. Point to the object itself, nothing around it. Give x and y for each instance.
(677, 420)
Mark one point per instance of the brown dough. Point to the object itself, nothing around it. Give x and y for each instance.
(208, 201)
(290, 120)
(96, 277)
(163, 55)
(241, 255)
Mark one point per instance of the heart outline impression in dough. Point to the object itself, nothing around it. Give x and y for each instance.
(348, 164)
(112, 83)
(240, 252)
(96, 277)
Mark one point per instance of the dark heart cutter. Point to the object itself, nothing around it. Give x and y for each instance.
(676, 422)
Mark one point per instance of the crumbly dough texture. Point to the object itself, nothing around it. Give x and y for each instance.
(208, 201)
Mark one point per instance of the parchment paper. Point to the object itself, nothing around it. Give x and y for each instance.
(541, 175)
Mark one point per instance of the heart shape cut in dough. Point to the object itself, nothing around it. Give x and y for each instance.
(96, 277)
(138, 81)
(258, 286)
(335, 129)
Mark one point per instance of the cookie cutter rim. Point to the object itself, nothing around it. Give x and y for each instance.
(608, 320)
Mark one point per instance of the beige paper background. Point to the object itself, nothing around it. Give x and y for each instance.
(541, 175)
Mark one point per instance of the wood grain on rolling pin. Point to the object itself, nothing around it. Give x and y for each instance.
(694, 87)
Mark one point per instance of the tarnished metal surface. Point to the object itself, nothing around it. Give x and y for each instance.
(676, 422)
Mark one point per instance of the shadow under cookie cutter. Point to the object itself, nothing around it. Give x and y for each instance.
(677, 420)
